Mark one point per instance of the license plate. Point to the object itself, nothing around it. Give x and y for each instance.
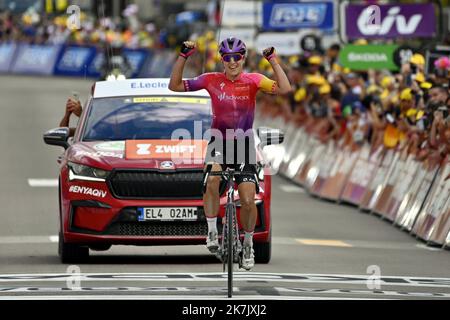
(168, 214)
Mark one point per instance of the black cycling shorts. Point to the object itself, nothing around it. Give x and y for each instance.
(239, 155)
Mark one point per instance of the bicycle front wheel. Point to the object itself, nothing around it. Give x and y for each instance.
(230, 230)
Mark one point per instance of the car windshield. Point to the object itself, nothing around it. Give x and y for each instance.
(135, 118)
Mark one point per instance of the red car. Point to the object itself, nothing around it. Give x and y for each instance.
(117, 184)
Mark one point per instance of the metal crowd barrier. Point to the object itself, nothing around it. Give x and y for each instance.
(392, 184)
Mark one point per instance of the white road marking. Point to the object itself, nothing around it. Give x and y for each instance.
(291, 188)
(217, 290)
(238, 276)
(388, 245)
(27, 239)
(43, 182)
(171, 297)
(424, 246)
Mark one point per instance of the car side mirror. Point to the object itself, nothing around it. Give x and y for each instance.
(57, 137)
(269, 136)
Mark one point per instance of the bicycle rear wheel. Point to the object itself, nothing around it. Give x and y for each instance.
(230, 231)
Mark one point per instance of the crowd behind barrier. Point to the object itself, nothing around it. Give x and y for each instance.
(413, 194)
(51, 44)
(376, 139)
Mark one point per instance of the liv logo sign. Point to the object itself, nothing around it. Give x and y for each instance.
(390, 21)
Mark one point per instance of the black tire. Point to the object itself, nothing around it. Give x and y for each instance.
(263, 251)
(230, 258)
(71, 253)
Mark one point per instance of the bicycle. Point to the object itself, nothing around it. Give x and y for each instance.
(230, 248)
(229, 252)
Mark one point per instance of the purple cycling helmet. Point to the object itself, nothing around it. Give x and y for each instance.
(232, 45)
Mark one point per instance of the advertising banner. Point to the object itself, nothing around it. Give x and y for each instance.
(294, 15)
(360, 176)
(7, 54)
(325, 166)
(136, 57)
(390, 21)
(36, 59)
(411, 216)
(160, 65)
(434, 205)
(287, 43)
(242, 13)
(365, 57)
(75, 60)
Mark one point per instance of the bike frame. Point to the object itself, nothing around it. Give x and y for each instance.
(231, 246)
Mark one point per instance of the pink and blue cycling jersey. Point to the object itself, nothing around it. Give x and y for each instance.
(233, 102)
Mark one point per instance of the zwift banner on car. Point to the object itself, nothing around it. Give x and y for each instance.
(390, 21)
(293, 16)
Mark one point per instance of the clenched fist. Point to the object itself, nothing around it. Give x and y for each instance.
(269, 53)
(187, 49)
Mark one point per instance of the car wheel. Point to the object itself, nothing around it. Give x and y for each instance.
(263, 251)
(71, 253)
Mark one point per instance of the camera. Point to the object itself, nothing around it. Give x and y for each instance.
(444, 111)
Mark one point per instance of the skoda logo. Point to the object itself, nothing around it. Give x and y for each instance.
(167, 165)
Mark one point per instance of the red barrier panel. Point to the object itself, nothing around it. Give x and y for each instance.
(386, 156)
(325, 166)
(292, 131)
(334, 185)
(299, 154)
(434, 205)
(311, 145)
(405, 216)
(360, 177)
(441, 233)
(429, 169)
(316, 160)
(387, 187)
(407, 174)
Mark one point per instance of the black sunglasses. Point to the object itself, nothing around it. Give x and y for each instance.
(236, 57)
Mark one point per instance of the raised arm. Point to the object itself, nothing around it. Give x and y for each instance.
(176, 78)
(283, 86)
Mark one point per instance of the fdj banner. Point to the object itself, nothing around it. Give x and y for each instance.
(36, 59)
(75, 60)
(136, 58)
(364, 57)
(7, 54)
(390, 21)
(281, 16)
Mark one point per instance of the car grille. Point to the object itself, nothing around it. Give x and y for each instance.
(157, 185)
(159, 229)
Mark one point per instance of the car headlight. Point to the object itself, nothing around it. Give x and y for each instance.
(81, 172)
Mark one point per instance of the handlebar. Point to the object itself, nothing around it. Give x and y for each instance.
(230, 172)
